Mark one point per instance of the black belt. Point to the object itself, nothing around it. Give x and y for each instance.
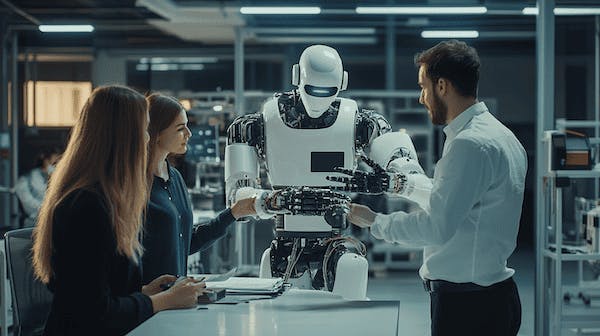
(448, 287)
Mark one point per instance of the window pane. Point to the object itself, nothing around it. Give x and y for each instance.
(56, 103)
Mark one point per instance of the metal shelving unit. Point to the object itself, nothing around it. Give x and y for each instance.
(557, 315)
(551, 315)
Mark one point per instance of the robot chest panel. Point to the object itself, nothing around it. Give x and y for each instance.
(304, 157)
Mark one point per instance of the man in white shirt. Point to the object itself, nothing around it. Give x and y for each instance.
(470, 227)
(31, 187)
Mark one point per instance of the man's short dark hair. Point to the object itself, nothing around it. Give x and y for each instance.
(455, 61)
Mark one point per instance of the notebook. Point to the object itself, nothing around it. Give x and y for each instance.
(254, 286)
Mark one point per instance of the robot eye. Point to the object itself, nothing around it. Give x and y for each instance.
(318, 91)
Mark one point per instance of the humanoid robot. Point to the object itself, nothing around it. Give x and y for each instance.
(308, 139)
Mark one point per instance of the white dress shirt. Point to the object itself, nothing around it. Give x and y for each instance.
(471, 226)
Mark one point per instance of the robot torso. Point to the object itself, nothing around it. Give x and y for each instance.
(297, 156)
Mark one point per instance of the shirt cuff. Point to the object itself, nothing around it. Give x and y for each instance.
(226, 217)
(379, 225)
(145, 310)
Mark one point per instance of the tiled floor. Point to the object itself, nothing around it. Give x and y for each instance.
(414, 301)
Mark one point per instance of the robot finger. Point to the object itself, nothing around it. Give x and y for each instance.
(344, 171)
(376, 167)
(345, 208)
(341, 198)
(340, 179)
(348, 187)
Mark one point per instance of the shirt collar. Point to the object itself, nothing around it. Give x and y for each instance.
(456, 125)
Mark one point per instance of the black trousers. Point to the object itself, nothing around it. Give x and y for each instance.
(493, 311)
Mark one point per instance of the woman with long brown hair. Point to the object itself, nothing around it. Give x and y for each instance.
(169, 233)
(86, 243)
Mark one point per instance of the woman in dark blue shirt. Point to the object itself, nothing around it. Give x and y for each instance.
(169, 233)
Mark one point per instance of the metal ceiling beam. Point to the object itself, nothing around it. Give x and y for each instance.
(21, 12)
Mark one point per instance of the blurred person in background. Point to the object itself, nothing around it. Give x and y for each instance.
(31, 187)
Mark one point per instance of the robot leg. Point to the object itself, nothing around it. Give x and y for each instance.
(265, 264)
(351, 276)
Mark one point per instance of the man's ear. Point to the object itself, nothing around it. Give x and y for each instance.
(442, 85)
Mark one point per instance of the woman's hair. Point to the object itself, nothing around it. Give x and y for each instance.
(106, 153)
(163, 111)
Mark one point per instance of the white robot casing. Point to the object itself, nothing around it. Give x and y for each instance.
(293, 155)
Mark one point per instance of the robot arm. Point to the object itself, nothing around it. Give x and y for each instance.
(403, 176)
(245, 144)
(396, 152)
(369, 125)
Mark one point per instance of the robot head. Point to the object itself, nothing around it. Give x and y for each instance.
(320, 77)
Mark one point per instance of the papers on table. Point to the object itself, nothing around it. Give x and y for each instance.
(254, 286)
(215, 277)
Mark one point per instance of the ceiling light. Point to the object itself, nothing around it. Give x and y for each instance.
(280, 10)
(66, 28)
(565, 11)
(313, 30)
(192, 67)
(449, 34)
(421, 10)
(185, 59)
(318, 39)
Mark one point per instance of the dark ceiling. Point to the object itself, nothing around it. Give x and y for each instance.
(120, 23)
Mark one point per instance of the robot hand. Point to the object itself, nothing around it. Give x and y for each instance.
(375, 182)
(305, 201)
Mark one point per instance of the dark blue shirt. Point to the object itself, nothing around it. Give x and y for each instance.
(169, 232)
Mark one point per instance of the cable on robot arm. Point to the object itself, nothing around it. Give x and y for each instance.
(243, 153)
(248, 129)
(334, 244)
(370, 125)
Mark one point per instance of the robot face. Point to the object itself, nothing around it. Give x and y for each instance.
(321, 77)
(316, 99)
(320, 92)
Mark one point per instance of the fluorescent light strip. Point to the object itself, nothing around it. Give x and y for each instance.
(449, 34)
(313, 30)
(318, 39)
(280, 10)
(565, 11)
(66, 28)
(422, 10)
(185, 59)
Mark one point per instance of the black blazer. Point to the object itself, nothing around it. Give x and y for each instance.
(96, 290)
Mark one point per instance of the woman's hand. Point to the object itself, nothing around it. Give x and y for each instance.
(243, 208)
(154, 286)
(183, 294)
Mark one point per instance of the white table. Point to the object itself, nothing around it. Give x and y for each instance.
(295, 313)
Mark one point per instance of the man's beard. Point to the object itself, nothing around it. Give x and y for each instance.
(438, 110)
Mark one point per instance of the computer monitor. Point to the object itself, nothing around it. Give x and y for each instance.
(203, 146)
